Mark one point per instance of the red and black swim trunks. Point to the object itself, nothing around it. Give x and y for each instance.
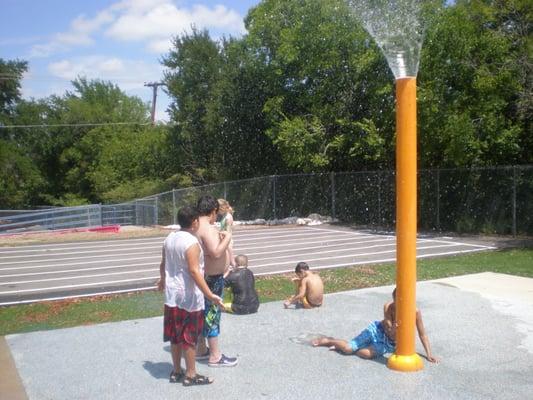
(181, 326)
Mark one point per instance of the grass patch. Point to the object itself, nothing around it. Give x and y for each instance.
(87, 311)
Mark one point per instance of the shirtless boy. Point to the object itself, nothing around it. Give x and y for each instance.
(379, 337)
(309, 288)
(214, 245)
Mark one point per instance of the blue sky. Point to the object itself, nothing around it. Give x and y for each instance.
(120, 41)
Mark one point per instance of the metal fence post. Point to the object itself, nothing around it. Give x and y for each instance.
(514, 200)
(136, 212)
(225, 191)
(100, 212)
(274, 195)
(332, 179)
(156, 210)
(438, 199)
(174, 206)
(379, 199)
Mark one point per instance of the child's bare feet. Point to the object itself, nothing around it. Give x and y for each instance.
(320, 341)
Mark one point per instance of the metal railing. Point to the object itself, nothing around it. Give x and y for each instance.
(496, 200)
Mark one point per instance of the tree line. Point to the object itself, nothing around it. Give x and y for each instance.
(306, 89)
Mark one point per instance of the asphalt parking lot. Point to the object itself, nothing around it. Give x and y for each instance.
(53, 271)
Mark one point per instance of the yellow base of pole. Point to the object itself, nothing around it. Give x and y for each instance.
(409, 363)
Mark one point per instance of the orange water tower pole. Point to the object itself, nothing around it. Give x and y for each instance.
(405, 357)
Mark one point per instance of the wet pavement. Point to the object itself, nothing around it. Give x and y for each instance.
(480, 326)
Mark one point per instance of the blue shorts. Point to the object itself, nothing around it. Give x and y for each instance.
(212, 312)
(374, 336)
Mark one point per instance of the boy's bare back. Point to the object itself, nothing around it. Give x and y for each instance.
(314, 288)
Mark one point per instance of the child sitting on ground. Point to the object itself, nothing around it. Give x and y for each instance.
(309, 288)
(379, 337)
(225, 213)
(242, 284)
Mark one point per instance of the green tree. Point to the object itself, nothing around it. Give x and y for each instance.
(11, 72)
(241, 93)
(468, 90)
(130, 163)
(331, 103)
(20, 180)
(194, 69)
(92, 102)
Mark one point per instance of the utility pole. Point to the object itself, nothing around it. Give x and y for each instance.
(154, 86)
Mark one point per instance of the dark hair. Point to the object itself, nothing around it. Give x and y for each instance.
(186, 216)
(301, 266)
(206, 204)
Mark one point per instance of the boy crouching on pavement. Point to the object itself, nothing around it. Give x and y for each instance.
(182, 279)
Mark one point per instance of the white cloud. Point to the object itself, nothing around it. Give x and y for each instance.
(159, 46)
(151, 21)
(84, 25)
(81, 29)
(45, 50)
(79, 34)
(137, 5)
(157, 24)
(127, 74)
(73, 39)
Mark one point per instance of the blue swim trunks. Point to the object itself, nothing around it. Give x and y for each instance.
(212, 312)
(374, 336)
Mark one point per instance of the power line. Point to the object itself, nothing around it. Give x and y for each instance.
(73, 125)
(46, 78)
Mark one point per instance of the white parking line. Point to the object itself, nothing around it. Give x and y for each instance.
(356, 254)
(41, 259)
(285, 244)
(80, 285)
(281, 237)
(79, 263)
(327, 245)
(12, 303)
(319, 242)
(78, 244)
(308, 260)
(77, 277)
(382, 260)
(65, 271)
(117, 248)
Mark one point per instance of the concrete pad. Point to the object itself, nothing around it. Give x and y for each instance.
(480, 346)
(510, 294)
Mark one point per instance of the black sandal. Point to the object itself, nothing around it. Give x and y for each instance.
(197, 380)
(176, 377)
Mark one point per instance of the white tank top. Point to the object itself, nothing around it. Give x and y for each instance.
(180, 289)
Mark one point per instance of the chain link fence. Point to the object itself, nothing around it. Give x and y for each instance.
(497, 200)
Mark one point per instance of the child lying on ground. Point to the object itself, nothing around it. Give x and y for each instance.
(379, 337)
